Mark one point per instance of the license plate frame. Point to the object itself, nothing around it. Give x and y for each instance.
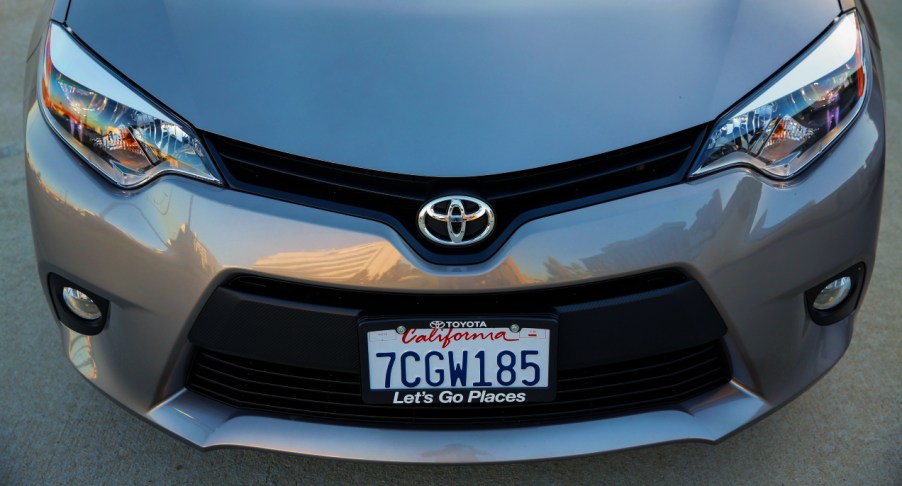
(395, 395)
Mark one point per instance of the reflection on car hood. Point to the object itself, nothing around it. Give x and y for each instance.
(448, 88)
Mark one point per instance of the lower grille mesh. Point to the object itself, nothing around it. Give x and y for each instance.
(658, 381)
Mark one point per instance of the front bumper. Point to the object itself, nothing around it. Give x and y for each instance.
(159, 252)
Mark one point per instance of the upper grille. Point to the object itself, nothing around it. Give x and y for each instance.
(516, 197)
(591, 392)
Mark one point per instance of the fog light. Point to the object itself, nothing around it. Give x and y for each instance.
(835, 298)
(80, 304)
(833, 294)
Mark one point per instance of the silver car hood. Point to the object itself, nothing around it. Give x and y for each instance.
(448, 88)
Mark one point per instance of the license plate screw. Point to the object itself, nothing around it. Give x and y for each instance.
(401, 330)
(515, 328)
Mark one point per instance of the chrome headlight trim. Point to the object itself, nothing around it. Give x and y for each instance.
(124, 135)
(785, 125)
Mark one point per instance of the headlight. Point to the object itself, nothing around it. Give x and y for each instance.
(118, 131)
(793, 119)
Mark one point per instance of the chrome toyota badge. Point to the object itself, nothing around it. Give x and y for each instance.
(456, 220)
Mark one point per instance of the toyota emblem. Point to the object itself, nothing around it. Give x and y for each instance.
(456, 220)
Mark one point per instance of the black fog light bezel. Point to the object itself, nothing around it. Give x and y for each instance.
(56, 284)
(844, 309)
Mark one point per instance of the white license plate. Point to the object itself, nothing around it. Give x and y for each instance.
(462, 362)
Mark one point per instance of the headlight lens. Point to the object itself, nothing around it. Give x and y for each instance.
(792, 120)
(118, 131)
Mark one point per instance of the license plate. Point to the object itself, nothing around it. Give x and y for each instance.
(463, 362)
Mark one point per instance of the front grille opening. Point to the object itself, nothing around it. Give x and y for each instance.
(656, 382)
(516, 197)
(517, 301)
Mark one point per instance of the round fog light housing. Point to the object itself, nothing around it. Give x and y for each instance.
(80, 304)
(833, 294)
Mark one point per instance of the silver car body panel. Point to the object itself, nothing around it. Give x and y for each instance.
(158, 252)
(448, 88)
(706, 418)
(755, 245)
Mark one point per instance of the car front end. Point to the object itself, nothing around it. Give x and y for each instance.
(235, 208)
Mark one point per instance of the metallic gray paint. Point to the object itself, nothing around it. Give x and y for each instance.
(706, 418)
(442, 88)
(755, 245)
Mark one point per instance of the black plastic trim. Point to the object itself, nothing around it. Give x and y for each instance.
(656, 382)
(395, 199)
(316, 327)
(832, 316)
(56, 284)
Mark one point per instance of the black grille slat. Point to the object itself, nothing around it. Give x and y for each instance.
(658, 381)
(311, 178)
(596, 373)
(351, 380)
(651, 387)
(609, 396)
(326, 398)
(239, 154)
(671, 374)
(516, 197)
(573, 180)
(205, 372)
